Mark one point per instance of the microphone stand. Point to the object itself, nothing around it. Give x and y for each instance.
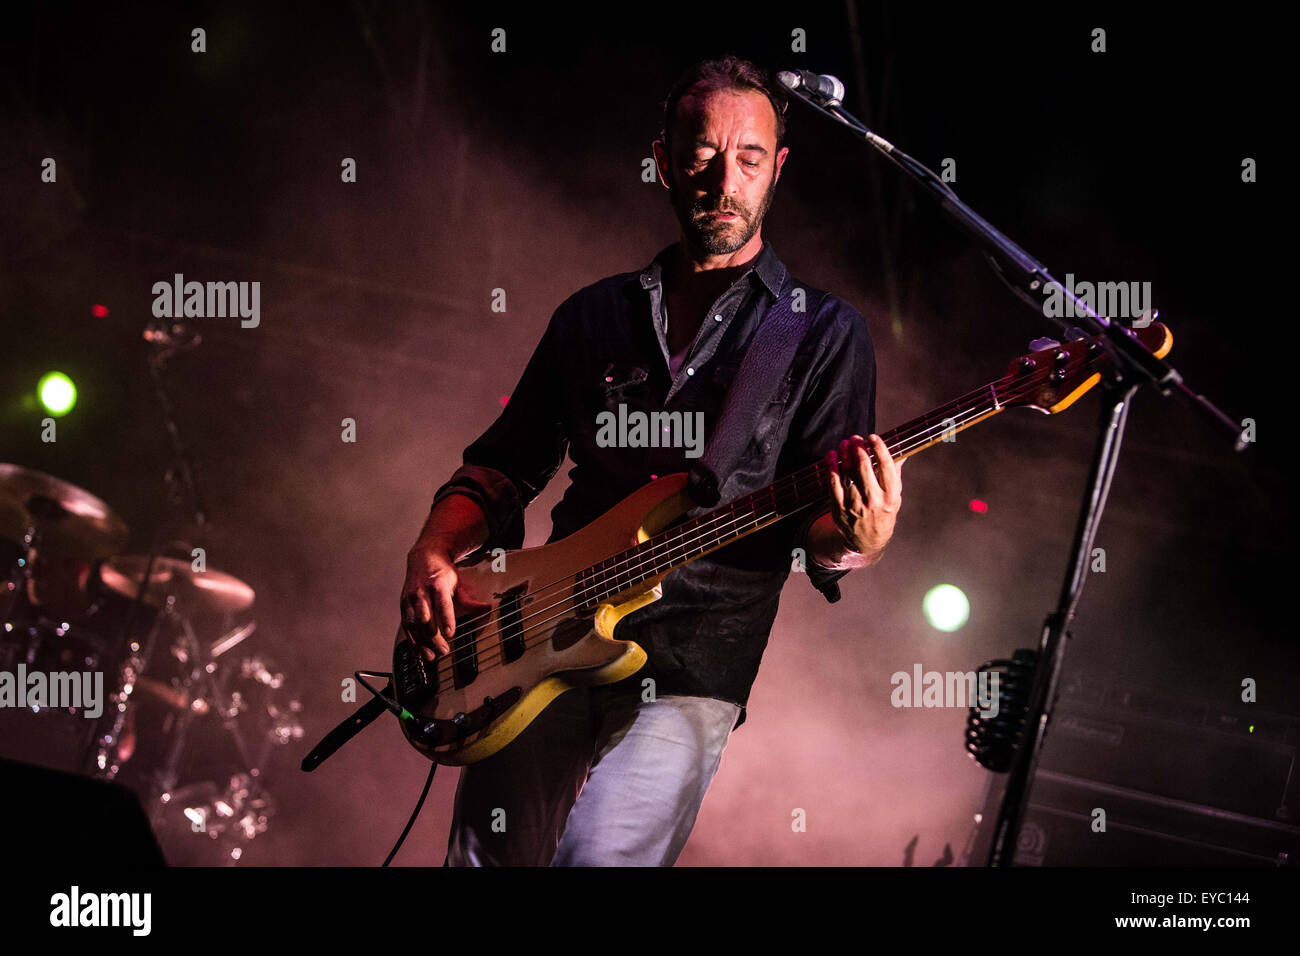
(1131, 367)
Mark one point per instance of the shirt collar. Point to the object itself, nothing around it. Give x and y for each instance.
(769, 269)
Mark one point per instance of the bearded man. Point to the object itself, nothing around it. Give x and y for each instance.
(613, 774)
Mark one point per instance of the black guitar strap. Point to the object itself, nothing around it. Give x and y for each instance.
(768, 357)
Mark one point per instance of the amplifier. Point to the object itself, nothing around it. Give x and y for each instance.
(1180, 783)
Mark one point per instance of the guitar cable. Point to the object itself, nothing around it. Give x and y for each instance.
(419, 805)
(402, 714)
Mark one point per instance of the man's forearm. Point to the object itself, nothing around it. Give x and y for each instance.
(827, 548)
(456, 524)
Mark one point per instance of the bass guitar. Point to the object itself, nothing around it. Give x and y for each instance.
(546, 622)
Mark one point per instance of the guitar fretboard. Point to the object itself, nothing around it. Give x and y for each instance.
(809, 486)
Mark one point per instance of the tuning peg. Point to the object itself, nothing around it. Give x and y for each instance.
(1037, 345)
(1145, 319)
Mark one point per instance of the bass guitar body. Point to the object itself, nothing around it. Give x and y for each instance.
(526, 632)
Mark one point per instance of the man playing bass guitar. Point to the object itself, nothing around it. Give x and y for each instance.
(615, 774)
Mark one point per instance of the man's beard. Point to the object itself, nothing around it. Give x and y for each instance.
(712, 236)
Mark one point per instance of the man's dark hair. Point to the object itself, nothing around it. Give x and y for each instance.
(727, 73)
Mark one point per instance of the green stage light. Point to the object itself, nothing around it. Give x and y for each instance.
(57, 393)
(946, 607)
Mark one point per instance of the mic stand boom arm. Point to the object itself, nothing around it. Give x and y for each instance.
(1029, 279)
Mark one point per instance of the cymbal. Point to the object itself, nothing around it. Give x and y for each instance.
(172, 577)
(71, 520)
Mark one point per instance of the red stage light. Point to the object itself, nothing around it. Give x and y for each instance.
(99, 311)
(979, 507)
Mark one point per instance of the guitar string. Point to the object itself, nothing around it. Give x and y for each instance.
(683, 545)
(918, 440)
(793, 478)
(751, 521)
(962, 401)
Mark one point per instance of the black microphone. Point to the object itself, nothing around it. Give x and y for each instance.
(821, 86)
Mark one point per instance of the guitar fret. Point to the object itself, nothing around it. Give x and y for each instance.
(810, 485)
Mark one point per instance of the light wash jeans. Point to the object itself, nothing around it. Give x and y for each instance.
(599, 778)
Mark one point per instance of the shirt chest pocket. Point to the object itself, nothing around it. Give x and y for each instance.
(619, 383)
(606, 394)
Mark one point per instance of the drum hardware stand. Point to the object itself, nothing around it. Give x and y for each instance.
(230, 717)
(16, 591)
(163, 781)
(179, 483)
(19, 575)
(104, 761)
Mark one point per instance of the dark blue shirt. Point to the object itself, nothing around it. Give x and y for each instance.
(607, 346)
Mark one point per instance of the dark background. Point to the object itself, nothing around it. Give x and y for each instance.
(522, 171)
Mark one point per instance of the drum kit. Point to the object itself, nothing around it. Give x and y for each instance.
(183, 719)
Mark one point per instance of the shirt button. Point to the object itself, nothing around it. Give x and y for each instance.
(690, 371)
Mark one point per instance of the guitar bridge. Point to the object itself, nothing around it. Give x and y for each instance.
(435, 733)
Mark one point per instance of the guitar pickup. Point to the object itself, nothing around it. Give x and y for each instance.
(464, 654)
(510, 619)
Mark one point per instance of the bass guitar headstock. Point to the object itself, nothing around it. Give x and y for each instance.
(1053, 378)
